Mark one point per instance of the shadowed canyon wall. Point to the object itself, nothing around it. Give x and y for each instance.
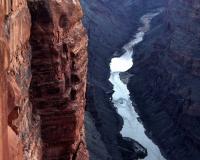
(166, 82)
(43, 70)
(110, 25)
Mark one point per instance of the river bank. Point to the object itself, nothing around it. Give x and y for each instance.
(132, 127)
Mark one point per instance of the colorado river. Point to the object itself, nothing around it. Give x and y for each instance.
(132, 128)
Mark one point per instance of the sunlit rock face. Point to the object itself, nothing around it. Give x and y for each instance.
(3, 89)
(43, 59)
(23, 130)
(166, 84)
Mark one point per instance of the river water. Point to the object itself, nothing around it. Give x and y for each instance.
(132, 128)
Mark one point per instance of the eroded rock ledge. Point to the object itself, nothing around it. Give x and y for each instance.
(43, 80)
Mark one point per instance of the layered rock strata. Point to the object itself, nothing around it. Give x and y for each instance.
(42, 100)
(23, 129)
(110, 25)
(166, 82)
(3, 89)
(59, 61)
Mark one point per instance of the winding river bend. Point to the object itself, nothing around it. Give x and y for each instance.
(132, 128)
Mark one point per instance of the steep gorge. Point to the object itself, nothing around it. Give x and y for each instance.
(43, 76)
(110, 25)
(43, 80)
(166, 80)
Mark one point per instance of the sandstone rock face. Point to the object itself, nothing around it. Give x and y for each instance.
(59, 62)
(23, 129)
(166, 84)
(3, 89)
(42, 100)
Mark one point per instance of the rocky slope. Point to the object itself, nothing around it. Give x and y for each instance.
(42, 100)
(166, 82)
(110, 24)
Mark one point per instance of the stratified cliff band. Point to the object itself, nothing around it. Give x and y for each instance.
(166, 82)
(43, 70)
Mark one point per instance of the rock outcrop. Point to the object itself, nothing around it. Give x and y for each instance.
(3, 89)
(59, 61)
(43, 80)
(166, 82)
(23, 129)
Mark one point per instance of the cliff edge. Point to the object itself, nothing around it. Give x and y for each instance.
(43, 54)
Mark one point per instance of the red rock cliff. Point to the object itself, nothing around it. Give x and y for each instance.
(20, 127)
(43, 79)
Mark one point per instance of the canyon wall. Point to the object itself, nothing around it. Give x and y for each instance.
(43, 80)
(3, 90)
(59, 61)
(110, 25)
(166, 82)
(22, 129)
